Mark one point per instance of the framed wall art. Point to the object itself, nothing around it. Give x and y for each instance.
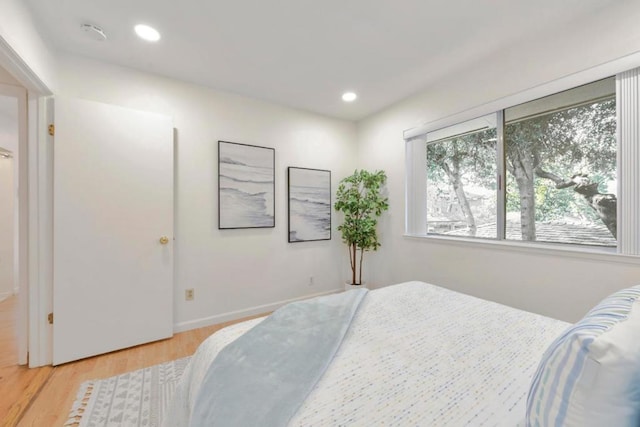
(309, 204)
(246, 186)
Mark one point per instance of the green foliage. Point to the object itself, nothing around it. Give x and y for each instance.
(471, 155)
(578, 139)
(543, 152)
(581, 139)
(455, 164)
(553, 204)
(359, 198)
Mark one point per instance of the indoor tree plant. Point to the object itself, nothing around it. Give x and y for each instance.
(360, 198)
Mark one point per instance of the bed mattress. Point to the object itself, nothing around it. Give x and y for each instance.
(415, 355)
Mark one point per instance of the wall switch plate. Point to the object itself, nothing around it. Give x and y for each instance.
(189, 294)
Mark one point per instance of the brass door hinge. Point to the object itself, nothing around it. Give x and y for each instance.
(52, 129)
(50, 318)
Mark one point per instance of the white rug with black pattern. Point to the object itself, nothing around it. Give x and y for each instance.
(137, 398)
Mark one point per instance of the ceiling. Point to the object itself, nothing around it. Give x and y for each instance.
(303, 53)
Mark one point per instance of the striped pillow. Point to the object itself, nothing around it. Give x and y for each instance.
(590, 375)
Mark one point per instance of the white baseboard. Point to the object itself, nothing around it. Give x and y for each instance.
(239, 314)
(5, 295)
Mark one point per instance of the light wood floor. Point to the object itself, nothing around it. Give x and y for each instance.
(43, 396)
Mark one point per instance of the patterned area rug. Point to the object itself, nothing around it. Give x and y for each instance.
(137, 398)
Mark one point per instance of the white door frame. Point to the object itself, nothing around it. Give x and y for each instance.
(35, 201)
(40, 270)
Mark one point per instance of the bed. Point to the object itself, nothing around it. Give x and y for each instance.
(414, 355)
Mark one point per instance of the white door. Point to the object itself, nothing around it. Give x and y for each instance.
(113, 208)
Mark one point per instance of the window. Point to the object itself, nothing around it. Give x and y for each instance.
(560, 156)
(550, 170)
(461, 179)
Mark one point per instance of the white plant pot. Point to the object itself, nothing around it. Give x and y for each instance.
(348, 286)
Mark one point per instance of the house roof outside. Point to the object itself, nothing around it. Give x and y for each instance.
(553, 231)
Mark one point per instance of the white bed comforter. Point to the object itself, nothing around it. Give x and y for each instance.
(415, 355)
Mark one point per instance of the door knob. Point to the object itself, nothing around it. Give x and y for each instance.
(164, 240)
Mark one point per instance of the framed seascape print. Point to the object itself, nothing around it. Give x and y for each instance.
(309, 204)
(246, 186)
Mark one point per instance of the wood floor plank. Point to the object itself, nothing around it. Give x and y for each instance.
(19, 385)
(8, 338)
(59, 385)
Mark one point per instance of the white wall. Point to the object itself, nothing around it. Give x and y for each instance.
(8, 179)
(6, 77)
(19, 31)
(230, 270)
(556, 286)
(9, 123)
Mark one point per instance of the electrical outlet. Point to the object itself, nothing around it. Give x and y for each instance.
(310, 280)
(189, 294)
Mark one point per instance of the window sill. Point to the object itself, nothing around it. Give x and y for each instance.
(549, 249)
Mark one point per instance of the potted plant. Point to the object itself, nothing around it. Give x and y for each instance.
(360, 198)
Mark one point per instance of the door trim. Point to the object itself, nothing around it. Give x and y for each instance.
(20, 70)
(35, 335)
(40, 231)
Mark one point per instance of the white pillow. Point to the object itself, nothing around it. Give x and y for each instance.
(590, 375)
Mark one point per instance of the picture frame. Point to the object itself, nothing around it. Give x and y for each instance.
(309, 204)
(246, 186)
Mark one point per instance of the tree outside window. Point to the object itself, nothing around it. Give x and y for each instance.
(461, 183)
(561, 171)
(560, 160)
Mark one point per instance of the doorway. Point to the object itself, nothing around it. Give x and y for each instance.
(9, 285)
(8, 292)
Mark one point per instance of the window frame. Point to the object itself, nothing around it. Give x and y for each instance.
(415, 168)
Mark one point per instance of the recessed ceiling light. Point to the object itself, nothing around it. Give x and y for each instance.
(147, 33)
(349, 97)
